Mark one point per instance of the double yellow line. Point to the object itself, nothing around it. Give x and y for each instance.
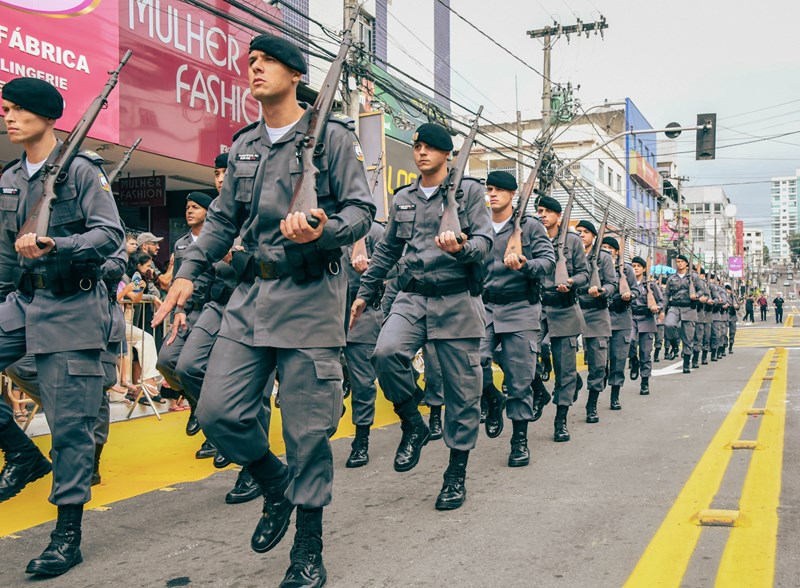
(749, 555)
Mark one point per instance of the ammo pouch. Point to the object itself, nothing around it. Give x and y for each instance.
(694, 304)
(534, 291)
(218, 292)
(640, 311)
(732, 311)
(708, 307)
(476, 272)
(618, 305)
(308, 263)
(242, 264)
(559, 299)
(65, 277)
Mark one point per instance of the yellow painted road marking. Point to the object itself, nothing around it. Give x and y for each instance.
(749, 556)
(789, 321)
(666, 558)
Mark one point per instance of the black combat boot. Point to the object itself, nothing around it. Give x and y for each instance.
(220, 461)
(495, 402)
(635, 366)
(306, 569)
(644, 390)
(435, 423)
(686, 360)
(547, 363)
(192, 425)
(484, 408)
(206, 450)
(415, 435)
(561, 433)
(244, 490)
(695, 360)
(273, 478)
(655, 355)
(98, 450)
(704, 359)
(359, 450)
(721, 352)
(591, 407)
(730, 347)
(64, 550)
(540, 398)
(24, 463)
(615, 405)
(519, 456)
(454, 492)
(713, 354)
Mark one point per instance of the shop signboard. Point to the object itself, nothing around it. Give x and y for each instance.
(142, 191)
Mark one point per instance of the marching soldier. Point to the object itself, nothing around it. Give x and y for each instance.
(439, 302)
(621, 326)
(733, 315)
(707, 318)
(720, 319)
(57, 290)
(684, 289)
(594, 306)
(288, 310)
(513, 314)
(644, 321)
(563, 320)
(659, 338)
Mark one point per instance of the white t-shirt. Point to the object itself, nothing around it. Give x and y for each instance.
(428, 191)
(34, 167)
(275, 134)
(499, 226)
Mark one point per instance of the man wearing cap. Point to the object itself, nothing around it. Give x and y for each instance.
(151, 245)
(644, 321)
(593, 300)
(563, 318)
(511, 298)
(439, 301)
(733, 315)
(56, 307)
(682, 304)
(288, 310)
(619, 346)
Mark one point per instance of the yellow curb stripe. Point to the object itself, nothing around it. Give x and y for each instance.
(666, 558)
(749, 556)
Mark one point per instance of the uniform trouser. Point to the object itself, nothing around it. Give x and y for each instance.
(71, 387)
(518, 356)
(564, 350)
(619, 348)
(699, 335)
(362, 382)
(643, 344)
(23, 373)
(731, 331)
(717, 336)
(680, 328)
(462, 379)
(596, 356)
(659, 336)
(168, 357)
(231, 404)
(707, 335)
(434, 395)
(6, 415)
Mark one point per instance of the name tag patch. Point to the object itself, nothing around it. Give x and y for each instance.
(9, 191)
(406, 207)
(248, 157)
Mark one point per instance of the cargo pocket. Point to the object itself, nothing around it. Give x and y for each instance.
(404, 220)
(245, 174)
(8, 213)
(82, 391)
(329, 373)
(66, 210)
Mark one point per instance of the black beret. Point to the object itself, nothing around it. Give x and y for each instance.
(203, 200)
(612, 242)
(35, 95)
(221, 160)
(502, 180)
(284, 51)
(434, 135)
(702, 271)
(640, 261)
(728, 287)
(549, 203)
(588, 226)
(683, 257)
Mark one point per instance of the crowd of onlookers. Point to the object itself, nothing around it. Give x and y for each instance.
(760, 299)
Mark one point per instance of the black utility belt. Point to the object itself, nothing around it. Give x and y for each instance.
(732, 311)
(500, 297)
(684, 305)
(415, 286)
(304, 263)
(62, 278)
(593, 303)
(640, 311)
(559, 299)
(708, 307)
(219, 292)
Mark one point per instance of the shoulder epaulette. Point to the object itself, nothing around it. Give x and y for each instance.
(245, 129)
(343, 119)
(479, 180)
(9, 165)
(91, 156)
(396, 190)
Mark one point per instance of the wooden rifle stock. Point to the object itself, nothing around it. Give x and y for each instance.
(692, 289)
(514, 246)
(311, 146)
(56, 173)
(452, 183)
(125, 159)
(594, 258)
(651, 299)
(562, 273)
(360, 246)
(624, 287)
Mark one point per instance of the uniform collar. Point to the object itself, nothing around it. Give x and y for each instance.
(301, 127)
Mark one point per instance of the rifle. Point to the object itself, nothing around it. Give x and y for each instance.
(624, 287)
(594, 256)
(125, 159)
(56, 173)
(562, 275)
(651, 299)
(360, 246)
(514, 246)
(311, 146)
(452, 182)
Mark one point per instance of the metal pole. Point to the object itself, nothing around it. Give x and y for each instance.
(546, 87)
(350, 7)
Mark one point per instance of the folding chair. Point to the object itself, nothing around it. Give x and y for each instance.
(143, 388)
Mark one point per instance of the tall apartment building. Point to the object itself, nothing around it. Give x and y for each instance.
(785, 214)
(712, 231)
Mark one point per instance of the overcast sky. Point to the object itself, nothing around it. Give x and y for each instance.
(674, 59)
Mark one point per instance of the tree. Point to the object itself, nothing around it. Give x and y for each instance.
(765, 255)
(794, 245)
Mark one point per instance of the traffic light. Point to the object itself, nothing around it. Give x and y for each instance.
(706, 137)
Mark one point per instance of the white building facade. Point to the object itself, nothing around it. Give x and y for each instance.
(785, 213)
(712, 228)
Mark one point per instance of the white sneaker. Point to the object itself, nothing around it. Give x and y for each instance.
(116, 397)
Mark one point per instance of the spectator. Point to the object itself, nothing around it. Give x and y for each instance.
(778, 302)
(131, 244)
(749, 305)
(762, 304)
(150, 244)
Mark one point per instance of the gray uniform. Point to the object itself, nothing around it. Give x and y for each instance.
(719, 317)
(707, 319)
(733, 316)
(361, 341)
(563, 320)
(681, 313)
(621, 326)
(644, 324)
(699, 328)
(272, 320)
(597, 320)
(67, 332)
(434, 303)
(513, 314)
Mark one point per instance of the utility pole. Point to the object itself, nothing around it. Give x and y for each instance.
(680, 180)
(350, 8)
